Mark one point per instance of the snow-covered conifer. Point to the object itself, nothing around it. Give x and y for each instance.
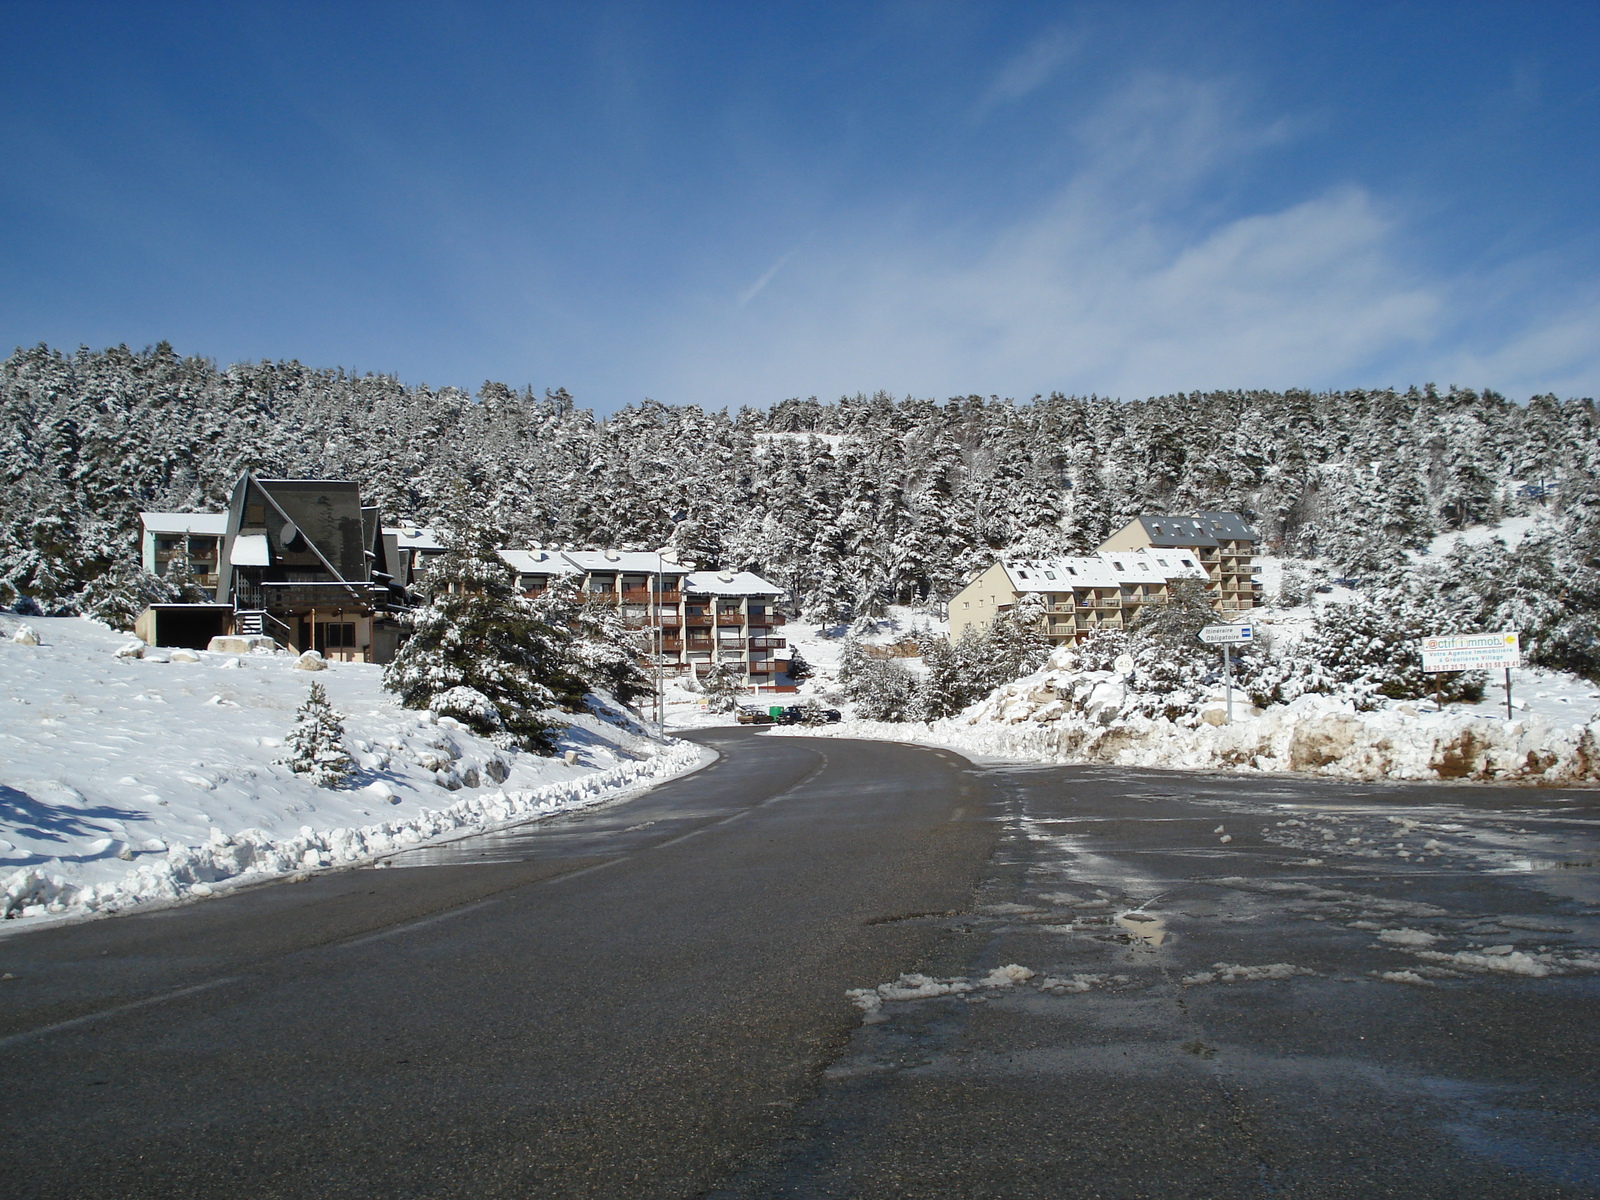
(315, 746)
(476, 631)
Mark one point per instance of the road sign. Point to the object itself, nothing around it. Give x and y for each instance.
(1227, 635)
(1471, 651)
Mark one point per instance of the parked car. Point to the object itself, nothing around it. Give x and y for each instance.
(753, 716)
(807, 714)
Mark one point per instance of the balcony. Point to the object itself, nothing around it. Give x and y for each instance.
(697, 621)
(768, 643)
(738, 644)
(637, 595)
(764, 668)
(730, 619)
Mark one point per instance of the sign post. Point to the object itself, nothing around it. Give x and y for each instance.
(1473, 652)
(1226, 636)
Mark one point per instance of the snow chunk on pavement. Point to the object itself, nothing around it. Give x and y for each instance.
(1236, 973)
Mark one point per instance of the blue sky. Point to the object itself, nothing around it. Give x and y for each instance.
(729, 204)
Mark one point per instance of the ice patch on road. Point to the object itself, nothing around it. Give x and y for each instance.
(1237, 973)
(923, 987)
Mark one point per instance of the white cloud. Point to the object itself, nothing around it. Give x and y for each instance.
(1029, 70)
(1113, 287)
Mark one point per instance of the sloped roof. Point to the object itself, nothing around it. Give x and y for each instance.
(209, 524)
(1207, 529)
(414, 537)
(729, 583)
(327, 513)
(633, 562)
(1060, 574)
(537, 562)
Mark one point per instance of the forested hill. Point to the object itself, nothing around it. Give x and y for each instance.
(853, 504)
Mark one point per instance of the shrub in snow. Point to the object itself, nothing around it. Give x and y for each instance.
(880, 688)
(118, 596)
(469, 706)
(1363, 653)
(26, 606)
(315, 747)
(722, 688)
(476, 631)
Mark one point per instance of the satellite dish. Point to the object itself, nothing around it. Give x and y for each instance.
(289, 533)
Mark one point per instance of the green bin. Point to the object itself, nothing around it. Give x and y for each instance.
(775, 711)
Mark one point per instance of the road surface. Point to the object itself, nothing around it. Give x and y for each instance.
(650, 1000)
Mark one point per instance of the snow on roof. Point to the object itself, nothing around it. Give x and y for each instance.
(537, 562)
(414, 537)
(730, 583)
(634, 562)
(1108, 568)
(205, 523)
(1060, 574)
(250, 550)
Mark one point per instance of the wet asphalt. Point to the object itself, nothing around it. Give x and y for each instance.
(1240, 987)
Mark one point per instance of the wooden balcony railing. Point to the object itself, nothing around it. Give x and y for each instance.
(733, 619)
(768, 643)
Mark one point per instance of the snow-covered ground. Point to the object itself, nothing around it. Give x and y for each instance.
(126, 780)
(1063, 714)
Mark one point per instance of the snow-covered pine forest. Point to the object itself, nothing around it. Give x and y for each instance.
(853, 505)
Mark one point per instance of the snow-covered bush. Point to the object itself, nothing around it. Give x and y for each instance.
(1365, 653)
(476, 631)
(722, 687)
(880, 688)
(601, 651)
(118, 596)
(315, 747)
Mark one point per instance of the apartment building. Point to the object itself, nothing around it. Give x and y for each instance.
(1081, 593)
(1224, 544)
(1133, 568)
(166, 536)
(690, 618)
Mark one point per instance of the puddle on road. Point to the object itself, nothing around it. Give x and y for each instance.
(1144, 931)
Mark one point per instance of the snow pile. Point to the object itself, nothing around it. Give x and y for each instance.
(1064, 714)
(1234, 973)
(923, 987)
(121, 775)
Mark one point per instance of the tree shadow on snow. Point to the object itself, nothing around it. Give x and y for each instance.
(40, 819)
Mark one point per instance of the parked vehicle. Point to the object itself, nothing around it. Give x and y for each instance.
(807, 714)
(753, 716)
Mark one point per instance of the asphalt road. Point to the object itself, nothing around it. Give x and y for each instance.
(1242, 987)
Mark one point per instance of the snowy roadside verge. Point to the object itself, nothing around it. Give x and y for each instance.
(128, 780)
(252, 855)
(1314, 735)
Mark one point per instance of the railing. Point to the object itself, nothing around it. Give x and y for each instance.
(700, 622)
(768, 643)
(730, 619)
(637, 595)
(763, 668)
(731, 643)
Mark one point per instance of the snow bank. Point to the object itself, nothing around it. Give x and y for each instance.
(1061, 714)
(119, 774)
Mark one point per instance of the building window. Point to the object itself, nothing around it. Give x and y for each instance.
(336, 635)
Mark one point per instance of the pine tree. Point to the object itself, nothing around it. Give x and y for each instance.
(120, 594)
(476, 631)
(316, 744)
(722, 688)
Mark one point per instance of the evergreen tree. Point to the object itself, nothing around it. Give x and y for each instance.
(118, 595)
(722, 688)
(476, 631)
(315, 747)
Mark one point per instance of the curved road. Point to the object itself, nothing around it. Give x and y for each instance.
(1243, 986)
(621, 1004)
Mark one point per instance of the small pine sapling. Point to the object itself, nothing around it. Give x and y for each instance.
(316, 744)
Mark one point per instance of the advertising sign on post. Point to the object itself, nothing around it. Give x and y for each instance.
(1473, 652)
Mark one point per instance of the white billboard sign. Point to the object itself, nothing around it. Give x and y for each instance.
(1221, 635)
(1471, 651)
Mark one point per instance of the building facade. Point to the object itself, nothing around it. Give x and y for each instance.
(299, 560)
(690, 619)
(165, 537)
(1107, 590)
